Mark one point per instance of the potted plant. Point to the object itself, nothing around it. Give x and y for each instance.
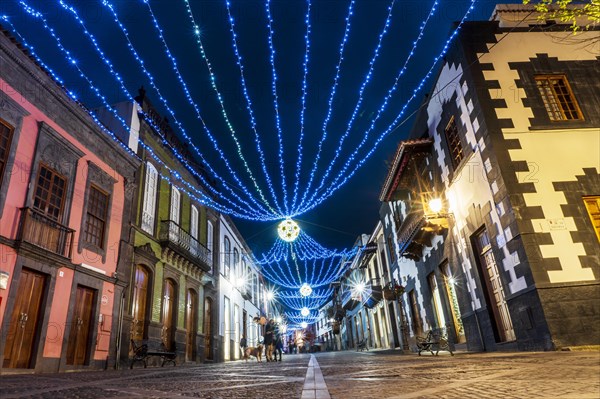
(393, 291)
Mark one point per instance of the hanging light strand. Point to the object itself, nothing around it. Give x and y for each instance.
(330, 105)
(191, 101)
(365, 83)
(276, 104)
(303, 107)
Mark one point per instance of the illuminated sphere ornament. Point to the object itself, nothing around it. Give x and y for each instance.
(305, 290)
(304, 324)
(305, 312)
(288, 230)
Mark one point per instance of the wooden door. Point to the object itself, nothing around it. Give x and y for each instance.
(22, 330)
(495, 289)
(168, 313)
(208, 329)
(81, 327)
(191, 322)
(140, 298)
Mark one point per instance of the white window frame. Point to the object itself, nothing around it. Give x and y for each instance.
(149, 203)
(175, 210)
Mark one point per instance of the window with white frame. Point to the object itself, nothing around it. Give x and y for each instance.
(194, 244)
(236, 263)
(209, 236)
(149, 204)
(175, 204)
(226, 256)
(194, 215)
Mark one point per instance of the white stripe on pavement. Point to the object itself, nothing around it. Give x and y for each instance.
(314, 383)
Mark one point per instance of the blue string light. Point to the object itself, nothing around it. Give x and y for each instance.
(330, 107)
(276, 104)
(247, 206)
(57, 78)
(203, 199)
(337, 184)
(311, 302)
(213, 140)
(303, 108)
(361, 91)
(246, 96)
(188, 95)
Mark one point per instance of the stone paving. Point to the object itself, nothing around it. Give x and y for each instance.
(345, 375)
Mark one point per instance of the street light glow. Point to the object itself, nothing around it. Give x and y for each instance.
(305, 312)
(360, 287)
(270, 295)
(435, 204)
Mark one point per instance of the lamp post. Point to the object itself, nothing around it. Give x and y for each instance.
(436, 206)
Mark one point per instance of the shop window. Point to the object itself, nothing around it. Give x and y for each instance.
(558, 98)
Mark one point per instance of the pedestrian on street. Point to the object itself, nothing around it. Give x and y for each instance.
(243, 344)
(269, 340)
(278, 347)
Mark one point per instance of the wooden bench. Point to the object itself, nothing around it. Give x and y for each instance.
(141, 353)
(435, 341)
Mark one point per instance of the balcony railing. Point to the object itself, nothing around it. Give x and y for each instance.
(41, 231)
(349, 300)
(172, 235)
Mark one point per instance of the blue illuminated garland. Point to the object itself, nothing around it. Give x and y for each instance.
(330, 106)
(276, 105)
(361, 91)
(303, 108)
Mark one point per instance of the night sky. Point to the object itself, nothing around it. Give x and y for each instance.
(351, 210)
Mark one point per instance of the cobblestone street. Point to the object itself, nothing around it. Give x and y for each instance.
(373, 374)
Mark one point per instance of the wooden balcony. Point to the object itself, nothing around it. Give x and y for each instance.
(37, 229)
(180, 241)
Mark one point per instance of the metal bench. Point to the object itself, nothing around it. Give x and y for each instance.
(435, 341)
(141, 353)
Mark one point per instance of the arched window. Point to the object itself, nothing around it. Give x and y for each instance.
(226, 256)
(149, 204)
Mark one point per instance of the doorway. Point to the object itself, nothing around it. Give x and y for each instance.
(168, 314)
(139, 301)
(22, 335)
(394, 323)
(208, 329)
(493, 289)
(191, 323)
(78, 347)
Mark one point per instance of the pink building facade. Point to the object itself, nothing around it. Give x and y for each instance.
(65, 208)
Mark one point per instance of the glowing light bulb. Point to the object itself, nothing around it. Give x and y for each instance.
(288, 230)
(305, 312)
(435, 205)
(305, 290)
